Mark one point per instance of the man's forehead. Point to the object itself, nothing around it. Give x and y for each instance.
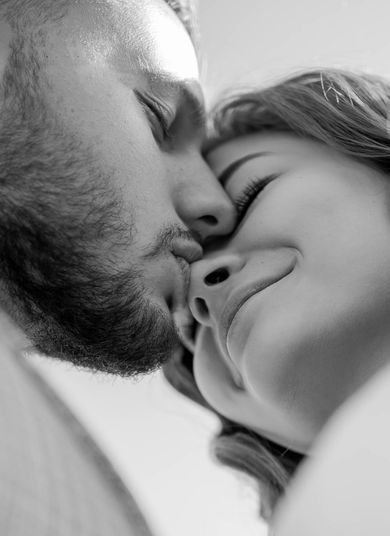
(132, 35)
(136, 10)
(116, 13)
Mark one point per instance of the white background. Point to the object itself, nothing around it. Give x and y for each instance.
(157, 440)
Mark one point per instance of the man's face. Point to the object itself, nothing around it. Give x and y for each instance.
(112, 195)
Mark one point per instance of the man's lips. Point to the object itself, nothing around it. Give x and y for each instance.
(182, 317)
(184, 253)
(186, 272)
(190, 251)
(237, 300)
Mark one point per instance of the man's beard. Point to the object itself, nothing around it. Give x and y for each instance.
(61, 231)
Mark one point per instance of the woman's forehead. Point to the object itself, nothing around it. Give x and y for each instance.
(229, 156)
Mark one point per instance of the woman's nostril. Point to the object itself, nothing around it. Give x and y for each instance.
(216, 276)
(202, 308)
(210, 220)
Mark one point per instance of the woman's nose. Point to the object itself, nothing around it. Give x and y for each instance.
(210, 283)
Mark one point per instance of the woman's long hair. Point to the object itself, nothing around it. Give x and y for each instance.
(345, 111)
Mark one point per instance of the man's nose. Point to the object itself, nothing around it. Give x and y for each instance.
(211, 283)
(203, 204)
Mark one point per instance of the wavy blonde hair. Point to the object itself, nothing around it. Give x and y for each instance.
(343, 110)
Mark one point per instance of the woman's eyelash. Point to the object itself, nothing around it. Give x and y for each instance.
(249, 194)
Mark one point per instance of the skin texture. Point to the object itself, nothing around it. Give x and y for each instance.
(102, 211)
(317, 235)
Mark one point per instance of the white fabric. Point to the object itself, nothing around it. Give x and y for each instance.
(344, 489)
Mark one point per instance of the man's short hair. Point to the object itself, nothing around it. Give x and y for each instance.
(186, 11)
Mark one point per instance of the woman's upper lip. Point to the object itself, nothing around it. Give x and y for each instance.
(237, 299)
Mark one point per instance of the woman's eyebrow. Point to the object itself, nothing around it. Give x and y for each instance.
(232, 168)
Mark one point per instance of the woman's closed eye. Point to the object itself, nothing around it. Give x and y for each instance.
(249, 194)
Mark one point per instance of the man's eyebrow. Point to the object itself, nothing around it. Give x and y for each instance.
(185, 94)
(232, 168)
(195, 104)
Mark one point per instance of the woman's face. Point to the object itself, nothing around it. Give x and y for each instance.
(294, 307)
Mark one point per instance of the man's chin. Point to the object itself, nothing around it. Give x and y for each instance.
(116, 355)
